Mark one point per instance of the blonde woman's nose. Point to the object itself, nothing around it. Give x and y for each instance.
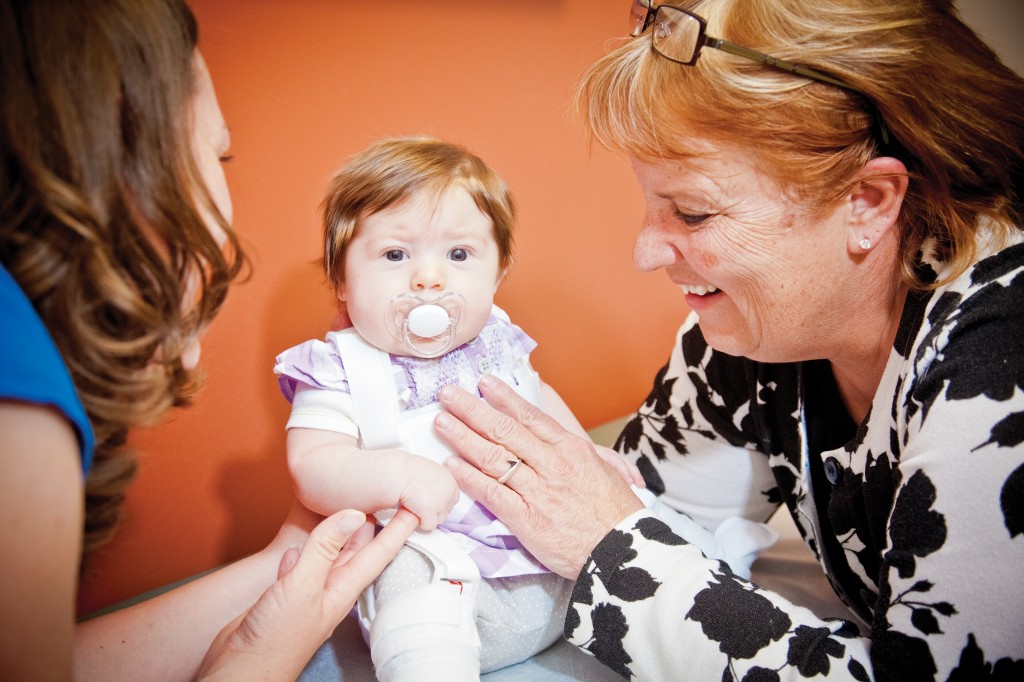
(653, 249)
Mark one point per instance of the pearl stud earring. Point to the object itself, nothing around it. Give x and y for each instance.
(865, 243)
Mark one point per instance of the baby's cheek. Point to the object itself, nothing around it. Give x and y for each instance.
(472, 324)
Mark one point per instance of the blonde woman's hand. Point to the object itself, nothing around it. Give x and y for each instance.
(624, 467)
(316, 588)
(560, 501)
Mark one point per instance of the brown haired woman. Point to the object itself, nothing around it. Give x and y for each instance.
(117, 251)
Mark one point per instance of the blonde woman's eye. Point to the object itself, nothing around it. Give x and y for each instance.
(458, 255)
(690, 219)
(395, 255)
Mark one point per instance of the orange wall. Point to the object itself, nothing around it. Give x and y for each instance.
(304, 84)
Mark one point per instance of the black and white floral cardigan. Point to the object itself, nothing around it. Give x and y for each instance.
(916, 514)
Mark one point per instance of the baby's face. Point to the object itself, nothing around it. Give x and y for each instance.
(427, 248)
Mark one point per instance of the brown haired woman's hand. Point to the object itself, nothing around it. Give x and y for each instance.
(560, 501)
(316, 588)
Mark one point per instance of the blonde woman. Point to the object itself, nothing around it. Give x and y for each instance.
(836, 188)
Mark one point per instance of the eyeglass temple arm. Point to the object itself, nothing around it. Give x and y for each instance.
(740, 51)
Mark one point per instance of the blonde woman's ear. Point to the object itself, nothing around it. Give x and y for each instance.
(874, 204)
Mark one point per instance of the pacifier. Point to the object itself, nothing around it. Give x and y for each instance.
(426, 326)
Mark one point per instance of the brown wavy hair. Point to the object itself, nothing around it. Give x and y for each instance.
(955, 111)
(101, 211)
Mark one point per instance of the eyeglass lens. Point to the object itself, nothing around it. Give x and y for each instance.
(676, 34)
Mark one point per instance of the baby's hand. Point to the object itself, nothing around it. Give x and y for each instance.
(625, 468)
(429, 492)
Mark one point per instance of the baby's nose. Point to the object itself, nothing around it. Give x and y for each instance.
(427, 276)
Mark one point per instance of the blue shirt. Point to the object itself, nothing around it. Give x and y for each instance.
(33, 370)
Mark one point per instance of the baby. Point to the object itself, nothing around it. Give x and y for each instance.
(417, 238)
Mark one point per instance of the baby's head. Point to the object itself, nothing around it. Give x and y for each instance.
(417, 220)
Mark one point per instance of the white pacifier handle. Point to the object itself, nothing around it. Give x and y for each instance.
(428, 320)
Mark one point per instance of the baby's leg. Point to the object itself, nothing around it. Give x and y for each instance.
(407, 570)
(423, 629)
(520, 616)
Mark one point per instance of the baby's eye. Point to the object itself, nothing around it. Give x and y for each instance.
(458, 255)
(395, 255)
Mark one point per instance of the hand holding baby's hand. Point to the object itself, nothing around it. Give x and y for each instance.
(429, 491)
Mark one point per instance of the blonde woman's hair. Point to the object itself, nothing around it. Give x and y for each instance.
(954, 111)
(389, 172)
(101, 211)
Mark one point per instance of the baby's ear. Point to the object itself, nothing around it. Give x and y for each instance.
(875, 201)
(341, 320)
(501, 275)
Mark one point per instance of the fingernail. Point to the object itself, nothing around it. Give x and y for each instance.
(486, 381)
(453, 462)
(443, 421)
(447, 393)
(350, 521)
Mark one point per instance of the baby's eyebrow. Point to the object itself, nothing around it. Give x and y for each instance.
(468, 234)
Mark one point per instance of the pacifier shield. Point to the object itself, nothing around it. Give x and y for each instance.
(427, 327)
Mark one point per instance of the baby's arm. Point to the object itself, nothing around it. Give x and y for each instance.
(331, 472)
(556, 408)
